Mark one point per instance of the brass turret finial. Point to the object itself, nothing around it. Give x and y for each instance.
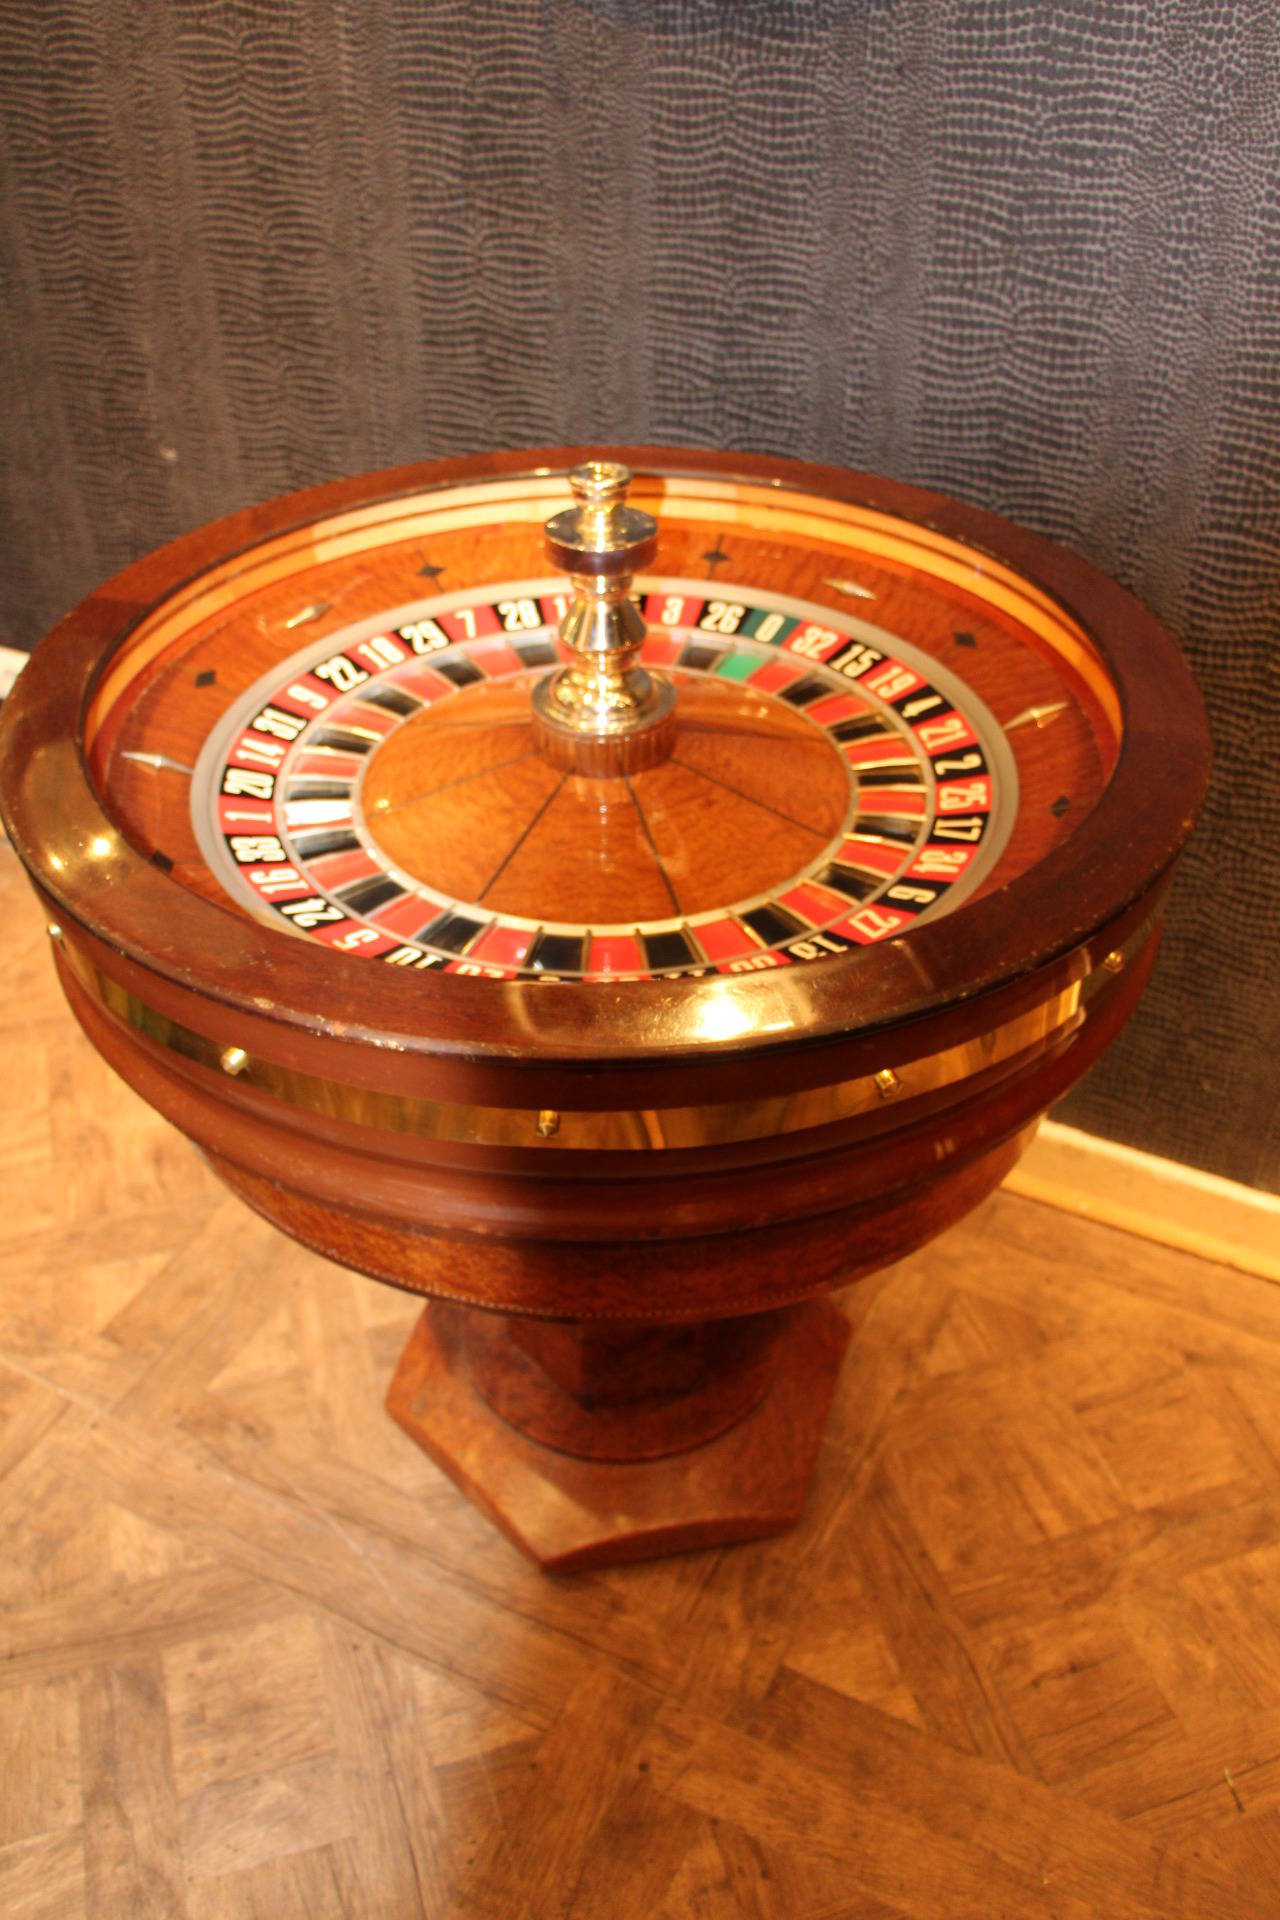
(603, 714)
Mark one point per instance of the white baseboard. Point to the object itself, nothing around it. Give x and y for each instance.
(1159, 1199)
(12, 661)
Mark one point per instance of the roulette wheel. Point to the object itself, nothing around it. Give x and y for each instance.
(620, 906)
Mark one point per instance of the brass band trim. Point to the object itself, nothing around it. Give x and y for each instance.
(603, 1129)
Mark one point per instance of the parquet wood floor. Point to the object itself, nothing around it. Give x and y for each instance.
(260, 1659)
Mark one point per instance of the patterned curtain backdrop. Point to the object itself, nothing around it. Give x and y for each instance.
(1028, 253)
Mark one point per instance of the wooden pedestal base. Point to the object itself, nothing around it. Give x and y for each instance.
(660, 1439)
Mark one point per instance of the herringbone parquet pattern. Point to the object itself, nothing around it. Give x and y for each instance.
(260, 1659)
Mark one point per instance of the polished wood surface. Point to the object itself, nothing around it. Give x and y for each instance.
(1062, 763)
(460, 797)
(1154, 790)
(609, 1490)
(263, 1662)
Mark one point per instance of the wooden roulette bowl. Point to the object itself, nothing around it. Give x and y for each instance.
(622, 1007)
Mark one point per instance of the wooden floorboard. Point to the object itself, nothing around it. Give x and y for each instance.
(259, 1658)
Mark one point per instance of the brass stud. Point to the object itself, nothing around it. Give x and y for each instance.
(887, 1083)
(233, 1060)
(1114, 962)
(548, 1122)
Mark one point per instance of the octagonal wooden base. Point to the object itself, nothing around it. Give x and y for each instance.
(567, 1511)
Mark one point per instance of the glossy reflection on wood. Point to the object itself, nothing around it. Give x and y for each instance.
(175, 703)
(460, 798)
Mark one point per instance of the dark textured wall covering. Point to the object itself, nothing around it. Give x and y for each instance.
(1026, 253)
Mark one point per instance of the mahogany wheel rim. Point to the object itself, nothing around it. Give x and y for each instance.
(1062, 894)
